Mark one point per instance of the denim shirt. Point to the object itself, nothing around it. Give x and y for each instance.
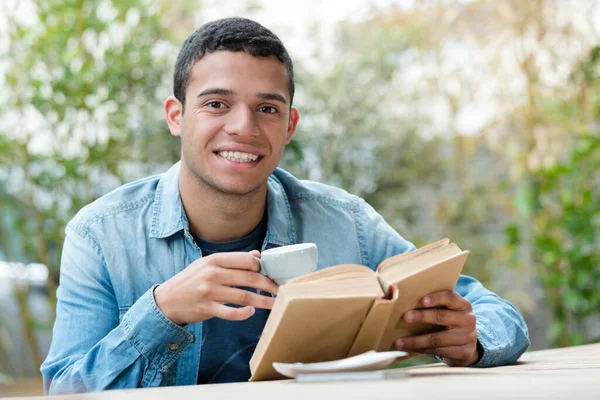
(109, 332)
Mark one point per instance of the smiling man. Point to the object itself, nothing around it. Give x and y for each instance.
(160, 282)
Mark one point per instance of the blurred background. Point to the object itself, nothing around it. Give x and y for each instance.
(474, 120)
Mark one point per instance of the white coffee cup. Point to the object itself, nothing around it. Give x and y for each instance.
(287, 262)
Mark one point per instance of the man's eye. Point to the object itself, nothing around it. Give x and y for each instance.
(268, 109)
(215, 104)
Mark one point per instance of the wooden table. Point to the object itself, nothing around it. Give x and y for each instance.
(569, 373)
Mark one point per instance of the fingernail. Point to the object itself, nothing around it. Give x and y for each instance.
(399, 344)
(409, 317)
(427, 301)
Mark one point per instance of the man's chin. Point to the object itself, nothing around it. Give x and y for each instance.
(238, 189)
(228, 185)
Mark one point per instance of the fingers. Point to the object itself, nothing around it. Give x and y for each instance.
(458, 343)
(231, 313)
(454, 337)
(447, 298)
(243, 298)
(235, 260)
(444, 317)
(248, 279)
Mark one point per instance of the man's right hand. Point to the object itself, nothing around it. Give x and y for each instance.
(198, 292)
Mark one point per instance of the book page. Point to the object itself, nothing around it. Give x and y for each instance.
(336, 272)
(353, 283)
(395, 272)
(391, 261)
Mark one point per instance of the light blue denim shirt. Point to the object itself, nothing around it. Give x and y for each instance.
(110, 334)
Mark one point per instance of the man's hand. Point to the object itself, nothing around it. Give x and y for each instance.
(198, 292)
(458, 343)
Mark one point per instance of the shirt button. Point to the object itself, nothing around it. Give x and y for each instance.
(192, 339)
(173, 346)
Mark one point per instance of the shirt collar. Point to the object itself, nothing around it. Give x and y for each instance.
(280, 226)
(168, 216)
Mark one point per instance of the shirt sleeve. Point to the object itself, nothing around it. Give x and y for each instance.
(92, 347)
(501, 329)
(376, 238)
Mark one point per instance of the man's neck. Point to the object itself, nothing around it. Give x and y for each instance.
(220, 217)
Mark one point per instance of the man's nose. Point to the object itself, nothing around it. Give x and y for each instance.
(242, 122)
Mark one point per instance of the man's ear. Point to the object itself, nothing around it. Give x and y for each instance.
(173, 114)
(292, 123)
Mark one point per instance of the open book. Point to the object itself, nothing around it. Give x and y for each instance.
(346, 310)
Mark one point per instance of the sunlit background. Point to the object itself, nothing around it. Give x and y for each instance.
(474, 120)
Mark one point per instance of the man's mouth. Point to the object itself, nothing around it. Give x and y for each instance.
(238, 156)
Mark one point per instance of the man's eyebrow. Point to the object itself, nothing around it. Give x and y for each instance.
(227, 92)
(219, 91)
(272, 96)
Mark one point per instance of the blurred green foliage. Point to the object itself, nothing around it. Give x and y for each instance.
(567, 243)
(565, 204)
(83, 84)
(83, 108)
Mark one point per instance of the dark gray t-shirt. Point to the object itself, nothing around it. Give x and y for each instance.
(228, 345)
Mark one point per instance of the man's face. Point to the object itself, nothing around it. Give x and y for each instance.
(237, 120)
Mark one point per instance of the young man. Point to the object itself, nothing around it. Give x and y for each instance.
(160, 284)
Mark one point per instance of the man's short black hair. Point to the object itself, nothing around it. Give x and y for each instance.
(231, 34)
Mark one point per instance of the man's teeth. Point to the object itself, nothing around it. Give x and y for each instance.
(238, 156)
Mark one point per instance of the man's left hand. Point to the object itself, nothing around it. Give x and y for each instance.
(457, 344)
